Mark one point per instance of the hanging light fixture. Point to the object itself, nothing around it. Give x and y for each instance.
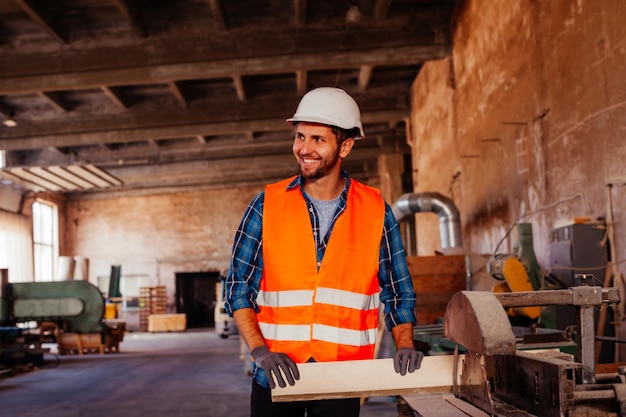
(10, 122)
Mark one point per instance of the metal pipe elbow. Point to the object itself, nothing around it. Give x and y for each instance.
(442, 206)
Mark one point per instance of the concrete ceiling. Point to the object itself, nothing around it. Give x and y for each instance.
(169, 95)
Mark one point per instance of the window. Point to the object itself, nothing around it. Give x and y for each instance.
(45, 240)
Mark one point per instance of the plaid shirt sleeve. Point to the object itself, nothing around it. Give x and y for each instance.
(393, 276)
(244, 274)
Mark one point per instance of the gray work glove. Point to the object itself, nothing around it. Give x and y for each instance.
(274, 362)
(407, 358)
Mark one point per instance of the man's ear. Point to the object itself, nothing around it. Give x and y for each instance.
(346, 147)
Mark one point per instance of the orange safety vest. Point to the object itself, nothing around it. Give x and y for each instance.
(330, 315)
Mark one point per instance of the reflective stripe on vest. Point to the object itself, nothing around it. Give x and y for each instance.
(292, 298)
(330, 314)
(331, 296)
(289, 332)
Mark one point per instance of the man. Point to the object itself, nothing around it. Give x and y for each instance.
(313, 258)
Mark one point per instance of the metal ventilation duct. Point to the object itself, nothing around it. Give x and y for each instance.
(449, 217)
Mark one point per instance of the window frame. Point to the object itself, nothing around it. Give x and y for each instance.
(45, 239)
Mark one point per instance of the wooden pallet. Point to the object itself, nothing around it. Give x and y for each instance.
(167, 323)
(80, 343)
(152, 300)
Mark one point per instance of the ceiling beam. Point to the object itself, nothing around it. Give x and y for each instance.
(381, 9)
(365, 74)
(147, 133)
(220, 168)
(177, 92)
(39, 12)
(213, 151)
(113, 96)
(300, 12)
(157, 74)
(197, 119)
(218, 15)
(151, 63)
(241, 92)
(301, 81)
(129, 12)
(55, 101)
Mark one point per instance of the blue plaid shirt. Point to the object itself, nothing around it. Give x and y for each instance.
(244, 275)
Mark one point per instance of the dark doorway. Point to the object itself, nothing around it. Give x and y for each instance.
(196, 297)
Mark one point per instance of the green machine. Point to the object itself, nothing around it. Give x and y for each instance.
(78, 304)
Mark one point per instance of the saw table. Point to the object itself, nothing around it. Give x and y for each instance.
(493, 377)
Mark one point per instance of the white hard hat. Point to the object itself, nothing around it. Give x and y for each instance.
(330, 106)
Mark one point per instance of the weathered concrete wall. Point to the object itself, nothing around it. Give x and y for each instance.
(526, 122)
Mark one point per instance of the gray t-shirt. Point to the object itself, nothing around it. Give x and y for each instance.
(325, 210)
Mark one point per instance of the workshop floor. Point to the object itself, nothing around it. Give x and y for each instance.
(189, 374)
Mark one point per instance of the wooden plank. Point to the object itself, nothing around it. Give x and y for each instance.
(87, 175)
(63, 173)
(351, 379)
(28, 176)
(53, 178)
(6, 175)
(102, 174)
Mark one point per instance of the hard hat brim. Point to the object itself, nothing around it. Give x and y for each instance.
(324, 121)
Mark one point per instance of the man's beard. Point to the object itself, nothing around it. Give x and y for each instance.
(324, 168)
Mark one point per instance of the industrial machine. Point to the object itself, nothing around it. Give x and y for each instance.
(502, 380)
(73, 308)
(530, 345)
(77, 306)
